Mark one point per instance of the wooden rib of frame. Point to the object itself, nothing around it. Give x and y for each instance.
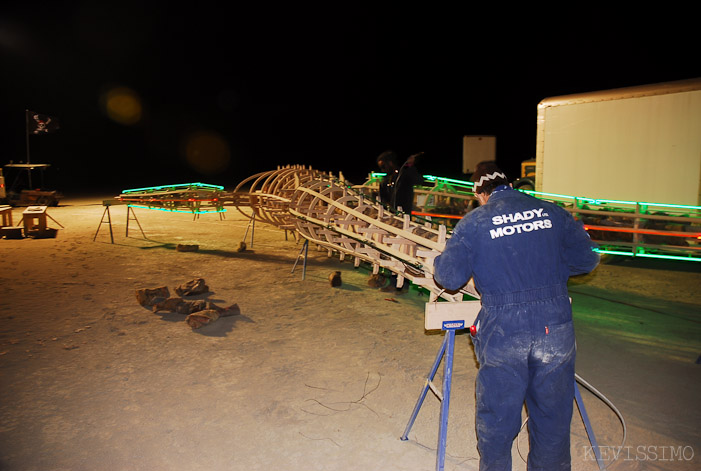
(327, 212)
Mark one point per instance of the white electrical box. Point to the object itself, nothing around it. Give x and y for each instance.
(476, 149)
(451, 315)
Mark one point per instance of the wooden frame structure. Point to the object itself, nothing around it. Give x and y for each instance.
(328, 212)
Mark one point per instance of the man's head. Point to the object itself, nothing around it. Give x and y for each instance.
(387, 161)
(486, 178)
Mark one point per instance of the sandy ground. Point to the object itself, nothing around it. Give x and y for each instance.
(308, 376)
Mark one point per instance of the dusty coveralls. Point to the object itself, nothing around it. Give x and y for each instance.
(521, 251)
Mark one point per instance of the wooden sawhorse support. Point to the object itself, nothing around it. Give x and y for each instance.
(6, 216)
(130, 215)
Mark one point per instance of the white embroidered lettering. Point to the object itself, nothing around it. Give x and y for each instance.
(519, 228)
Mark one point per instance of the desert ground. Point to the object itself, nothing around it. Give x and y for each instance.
(307, 376)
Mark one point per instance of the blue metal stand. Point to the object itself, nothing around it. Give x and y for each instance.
(445, 352)
(587, 426)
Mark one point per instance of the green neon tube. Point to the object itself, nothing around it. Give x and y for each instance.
(553, 195)
(648, 255)
(223, 210)
(449, 180)
(180, 185)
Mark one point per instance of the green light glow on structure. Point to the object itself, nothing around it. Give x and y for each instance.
(169, 210)
(679, 206)
(661, 205)
(602, 202)
(550, 195)
(647, 255)
(433, 178)
(668, 257)
(449, 180)
(178, 187)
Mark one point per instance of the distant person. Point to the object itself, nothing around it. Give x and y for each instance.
(520, 250)
(397, 187)
(396, 191)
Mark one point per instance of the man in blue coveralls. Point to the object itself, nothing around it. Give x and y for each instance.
(521, 252)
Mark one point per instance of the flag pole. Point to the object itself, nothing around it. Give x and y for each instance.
(26, 132)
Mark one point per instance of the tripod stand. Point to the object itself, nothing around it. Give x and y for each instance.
(451, 317)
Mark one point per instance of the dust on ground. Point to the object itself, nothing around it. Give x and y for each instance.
(308, 376)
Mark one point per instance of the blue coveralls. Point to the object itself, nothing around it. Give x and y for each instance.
(521, 251)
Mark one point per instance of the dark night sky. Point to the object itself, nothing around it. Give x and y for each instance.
(327, 86)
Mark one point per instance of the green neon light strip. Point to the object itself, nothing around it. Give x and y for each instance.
(555, 195)
(551, 195)
(432, 178)
(685, 207)
(647, 255)
(223, 210)
(583, 199)
(180, 185)
(665, 205)
(668, 257)
(449, 180)
(600, 202)
(680, 206)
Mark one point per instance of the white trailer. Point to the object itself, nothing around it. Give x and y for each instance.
(631, 144)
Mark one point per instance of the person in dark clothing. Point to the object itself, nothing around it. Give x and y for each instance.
(397, 187)
(520, 251)
(397, 191)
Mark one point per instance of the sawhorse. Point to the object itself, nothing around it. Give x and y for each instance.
(130, 209)
(106, 212)
(446, 353)
(447, 349)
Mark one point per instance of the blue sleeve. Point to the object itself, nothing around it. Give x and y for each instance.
(453, 268)
(578, 247)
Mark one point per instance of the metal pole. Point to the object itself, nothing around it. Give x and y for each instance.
(446, 354)
(445, 402)
(26, 132)
(424, 391)
(587, 425)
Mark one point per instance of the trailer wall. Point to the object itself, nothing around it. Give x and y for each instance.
(636, 144)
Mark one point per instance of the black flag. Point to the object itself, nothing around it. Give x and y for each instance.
(41, 123)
